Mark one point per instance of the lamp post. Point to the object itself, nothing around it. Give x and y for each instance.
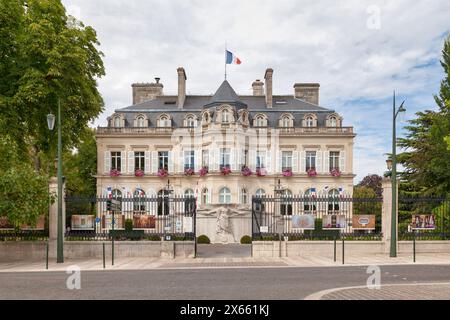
(59, 243)
(169, 190)
(393, 163)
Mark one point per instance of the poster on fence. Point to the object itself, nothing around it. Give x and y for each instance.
(423, 222)
(363, 222)
(333, 221)
(82, 222)
(143, 221)
(304, 222)
(188, 225)
(5, 224)
(119, 221)
(40, 225)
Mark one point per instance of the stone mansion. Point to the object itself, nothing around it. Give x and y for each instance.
(225, 148)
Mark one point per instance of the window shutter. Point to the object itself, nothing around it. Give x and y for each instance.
(233, 159)
(216, 159)
(147, 162)
(268, 162)
(280, 161)
(327, 162)
(107, 164)
(210, 159)
(319, 161)
(123, 158)
(209, 200)
(239, 196)
(252, 159)
(197, 159)
(342, 162)
(154, 168)
(302, 161)
(295, 161)
(171, 162)
(130, 162)
(181, 161)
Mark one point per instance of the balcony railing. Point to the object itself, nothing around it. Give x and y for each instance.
(169, 130)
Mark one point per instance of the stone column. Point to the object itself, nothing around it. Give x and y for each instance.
(53, 216)
(386, 213)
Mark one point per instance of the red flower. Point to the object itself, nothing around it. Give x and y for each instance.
(225, 170)
(312, 172)
(162, 173)
(335, 173)
(261, 172)
(114, 173)
(246, 171)
(203, 171)
(189, 171)
(139, 173)
(287, 173)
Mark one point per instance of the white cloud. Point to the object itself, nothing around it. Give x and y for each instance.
(304, 41)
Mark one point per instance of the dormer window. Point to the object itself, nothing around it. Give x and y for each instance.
(164, 121)
(260, 121)
(309, 122)
(117, 122)
(190, 121)
(140, 122)
(286, 121)
(333, 122)
(225, 116)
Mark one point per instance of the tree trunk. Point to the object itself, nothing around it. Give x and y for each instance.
(37, 159)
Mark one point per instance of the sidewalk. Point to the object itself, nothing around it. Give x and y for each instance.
(225, 262)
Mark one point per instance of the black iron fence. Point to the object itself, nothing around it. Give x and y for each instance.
(23, 235)
(316, 218)
(131, 218)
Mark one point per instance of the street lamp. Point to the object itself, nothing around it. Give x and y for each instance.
(59, 243)
(393, 164)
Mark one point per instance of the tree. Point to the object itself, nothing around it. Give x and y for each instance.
(373, 181)
(426, 157)
(46, 56)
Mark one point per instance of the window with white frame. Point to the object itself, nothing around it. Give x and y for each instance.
(309, 121)
(205, 196)
(225, 116)
(244, 196)
(205, 158)
(260, 193)
(139, 160)
(116, 160)
(139, 201)
(164, 121)
(286, 121)
(190, 121)
(260, 121)
(286, 203)
(311, 160)
(310, 205)
(116, 194)
(334, 160)
(224, 196)
(332, 122)
(117, 122)
(333, 203)
(163, 160)
(189, 157)
(286, 160)
(225, 158)
(260, 159)
(140, 121)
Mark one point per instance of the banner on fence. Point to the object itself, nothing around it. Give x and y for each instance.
(143, 221)
(423, 222)
(119, 221)
(82, 222)
(363, 222)
(188, 225)
(5, 224)
(333, 221)
(304, 222)
(40, 225)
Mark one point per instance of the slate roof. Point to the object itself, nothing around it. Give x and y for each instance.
(226, 94)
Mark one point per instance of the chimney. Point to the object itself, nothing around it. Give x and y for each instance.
(258, 88)
(181, 87)
(308, 92)
(268, 78)
(146, 91)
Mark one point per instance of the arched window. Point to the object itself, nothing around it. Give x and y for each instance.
(205, 196)
(260, 121)
(333, 202)
(116, 194)
(205, 118)
(140, 121)
(309, 122)
(260, 193)
(310, 205)
(189, 193)
(244, 196)
(286, 204)
(189, 204)
(224, 195)
(190, 121)
(138, 201)
(164, 121)
(332, 122)
(225, 116)
(163, 202)
(286, 122)
(117, 122)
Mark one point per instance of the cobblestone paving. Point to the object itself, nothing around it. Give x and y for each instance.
(393, 292)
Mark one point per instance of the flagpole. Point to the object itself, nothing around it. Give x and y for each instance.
(225, 60)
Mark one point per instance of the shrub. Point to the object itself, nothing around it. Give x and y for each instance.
(153, 237)
(128, 224)
(203, 239)
(246, 240)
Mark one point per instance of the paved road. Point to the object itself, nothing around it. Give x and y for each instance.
(229, 284)
(224, 250)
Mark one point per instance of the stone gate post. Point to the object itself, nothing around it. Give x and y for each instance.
(53, 216)
(386, 213)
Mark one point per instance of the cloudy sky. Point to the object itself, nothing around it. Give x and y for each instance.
(359, 51)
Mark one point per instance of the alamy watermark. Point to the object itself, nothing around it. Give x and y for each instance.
(374, 280)
(374, 19)
(73, 282)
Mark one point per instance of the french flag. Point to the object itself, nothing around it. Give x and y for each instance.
(231, 58)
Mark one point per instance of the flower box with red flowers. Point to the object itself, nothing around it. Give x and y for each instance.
(261, 172)
(139, 173)
(225, 170)
(335, 173)
(114, 173)
(189, 172)
(162, 173)
(312, 173)
(246, 172)
(287, 173)
(203, 171)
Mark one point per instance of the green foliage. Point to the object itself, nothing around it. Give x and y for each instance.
(246, 240)
(372, 181)
(427, 157)
(203, 239)
(45, 56)
(128, 224)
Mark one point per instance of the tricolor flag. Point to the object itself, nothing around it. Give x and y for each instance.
(313, 192)
(231, 58)
(140, 192)
(341, 191)
(109, 192)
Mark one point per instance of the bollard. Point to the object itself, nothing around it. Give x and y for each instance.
(343, 250)
(414, 248)
(46, 256)
(334, 249)
(104, 260)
